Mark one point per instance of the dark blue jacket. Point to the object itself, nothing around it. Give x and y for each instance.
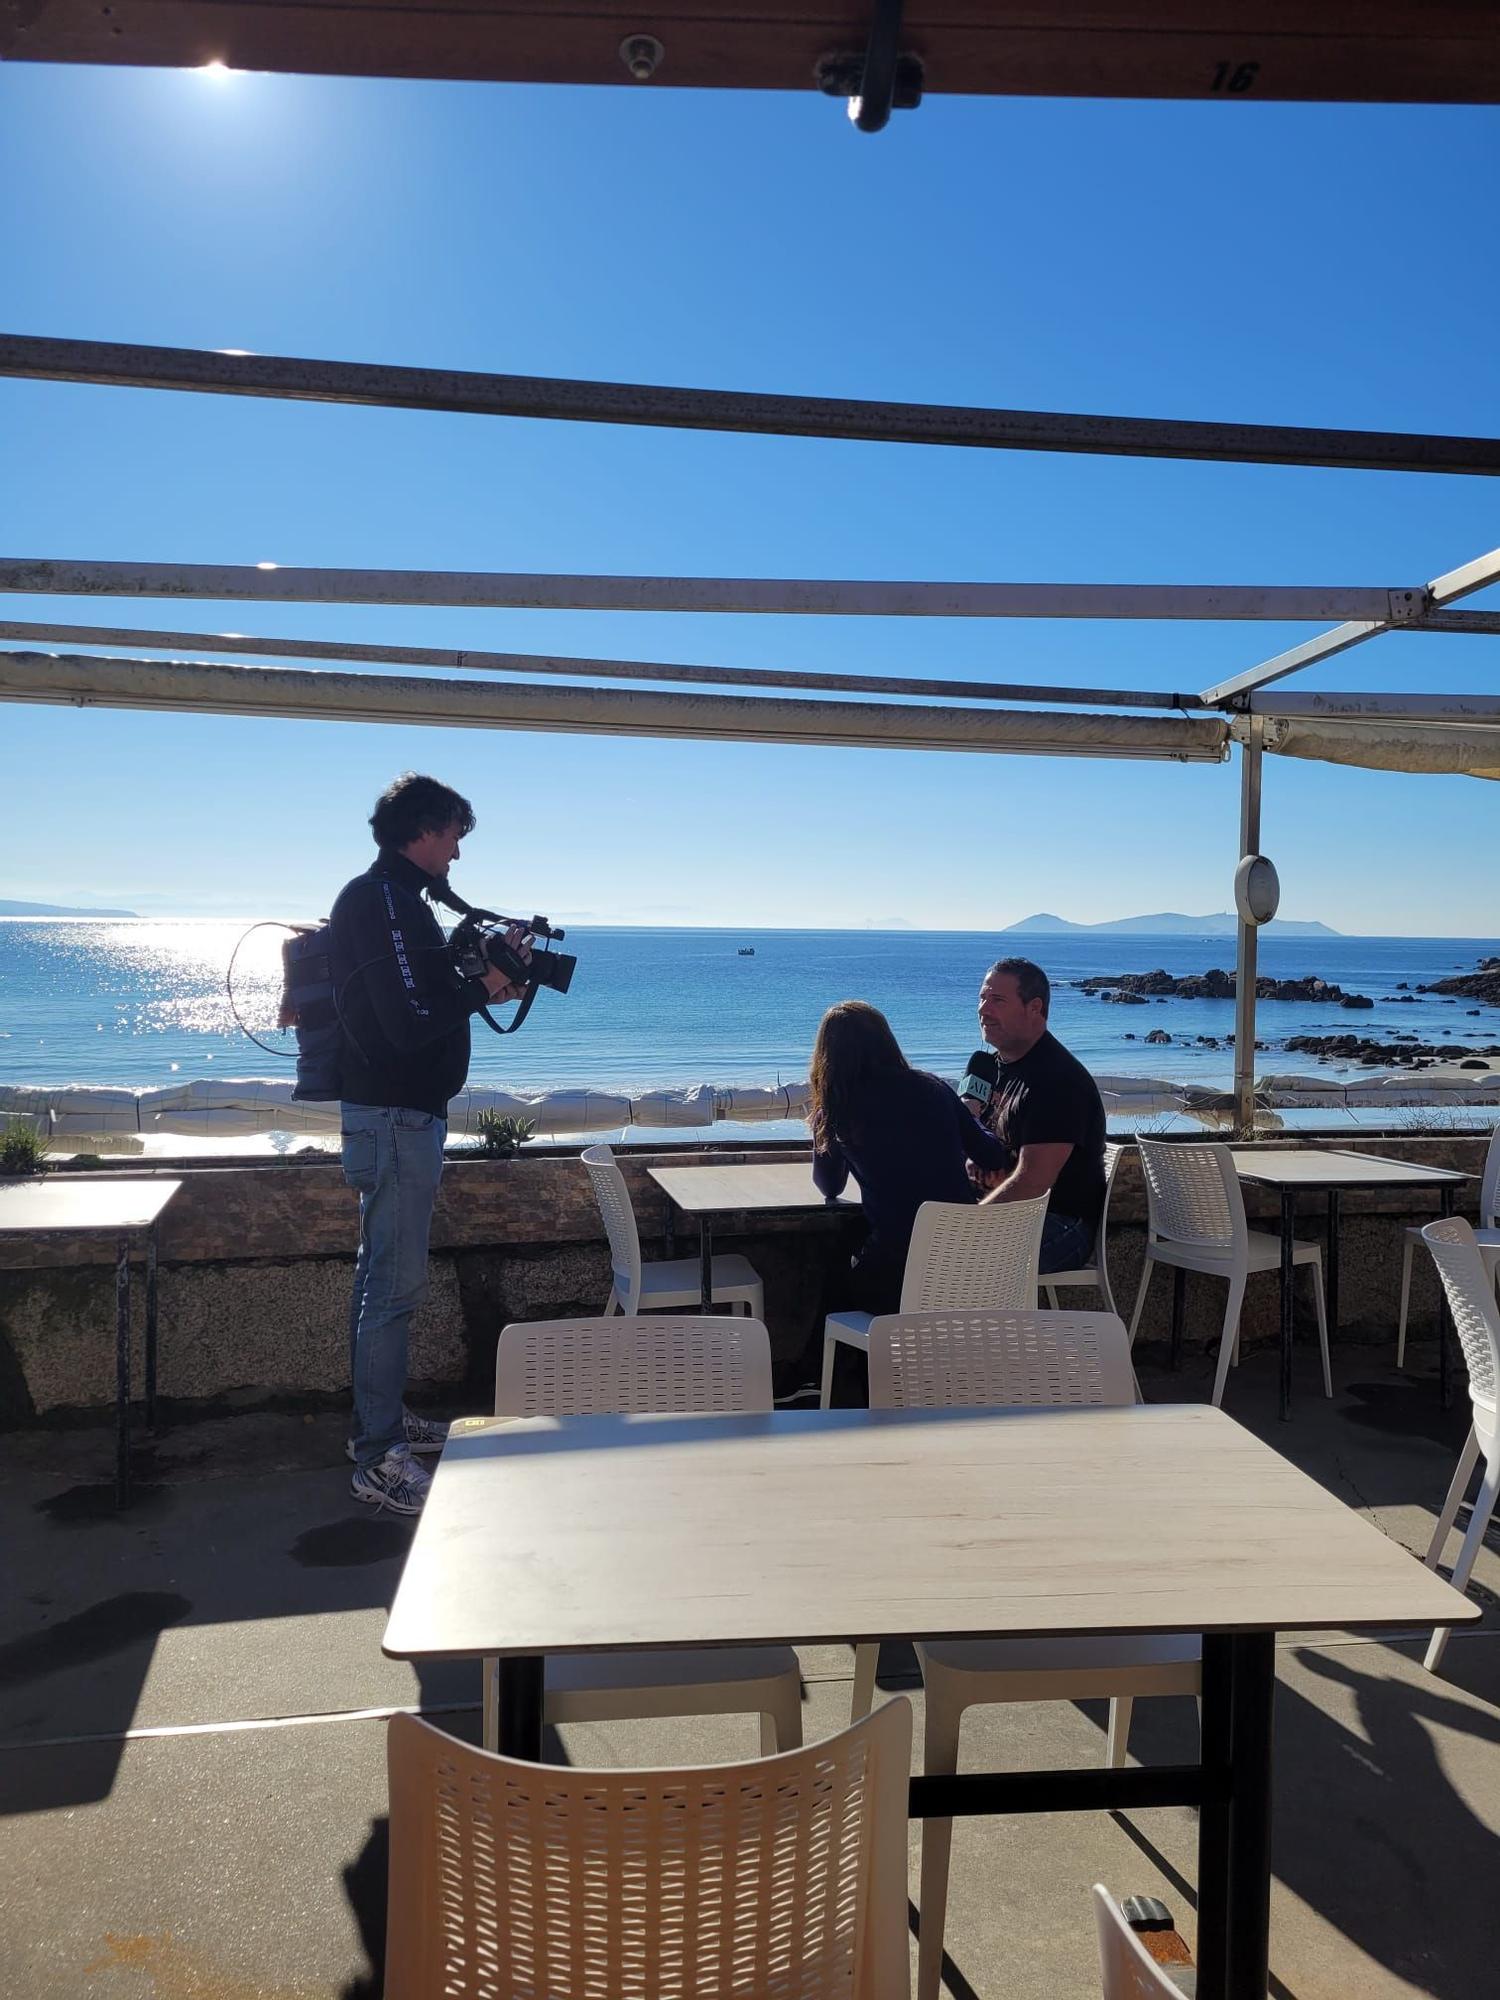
(907, 1144)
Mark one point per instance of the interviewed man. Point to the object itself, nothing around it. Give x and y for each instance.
(404, 1013)
(1043, 1106)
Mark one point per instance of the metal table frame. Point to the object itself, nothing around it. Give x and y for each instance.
(1230, 1786)
(706, 1219)
(1421, 1177)
(127, 1240)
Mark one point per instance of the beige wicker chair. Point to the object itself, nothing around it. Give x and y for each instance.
(1470, 1291)
(1010, 1360)
(1196, 1222)
(626, 1365)
(960, 1255)
(658, 1287)
(786, 1876)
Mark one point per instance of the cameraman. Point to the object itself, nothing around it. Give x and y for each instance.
(403, 1053)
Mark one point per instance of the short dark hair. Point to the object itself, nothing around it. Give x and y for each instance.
(1031, 982)
(413, 805)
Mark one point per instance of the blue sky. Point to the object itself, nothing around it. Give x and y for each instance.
(1298, 264)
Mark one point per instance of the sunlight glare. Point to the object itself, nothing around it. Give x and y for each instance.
(215, 70)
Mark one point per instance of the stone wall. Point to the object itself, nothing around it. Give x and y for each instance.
(256, 1263)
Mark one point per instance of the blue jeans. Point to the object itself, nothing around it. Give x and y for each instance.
(1067, 1244)
(395, 1159)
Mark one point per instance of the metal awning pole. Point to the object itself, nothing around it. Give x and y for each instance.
(1248, 937)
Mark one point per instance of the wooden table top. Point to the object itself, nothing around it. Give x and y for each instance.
(779, 1184)
(1312, 1167)
(583, 1534)
(109, 1203)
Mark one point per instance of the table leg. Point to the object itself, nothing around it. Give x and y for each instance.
(705, 1264)
(1247, 1969)
(1217, 1759)
(122, 1372)
(520, 1707)
(151, 1330)
(1179, 1297)
(1445, 1318)
(1288, 1227)
(1333, 1263)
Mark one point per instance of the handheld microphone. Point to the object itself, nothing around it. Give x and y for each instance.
(981, 1077)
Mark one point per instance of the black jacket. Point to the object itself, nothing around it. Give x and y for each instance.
(403, 1007)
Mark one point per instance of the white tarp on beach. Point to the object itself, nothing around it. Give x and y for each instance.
(241, 1107)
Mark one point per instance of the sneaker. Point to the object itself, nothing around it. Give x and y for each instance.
(421, 1434)
(397, 1482)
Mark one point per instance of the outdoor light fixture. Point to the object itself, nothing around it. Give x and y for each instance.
(1257, 889)
(642, 55)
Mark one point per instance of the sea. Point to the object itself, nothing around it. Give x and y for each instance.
(143, 1001)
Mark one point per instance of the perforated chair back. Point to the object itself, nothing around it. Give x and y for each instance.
(1471, 1300)
(997, 1360)
(613, 1198)
(962, 1255)
(1127, 1969)
(786, 1875)
(1193, 1195)
(642, 1365)
(1489, 1186)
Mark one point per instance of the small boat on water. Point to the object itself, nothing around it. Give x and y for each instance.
(747, 951)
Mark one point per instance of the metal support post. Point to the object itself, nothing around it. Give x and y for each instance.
(520, 1707)
(1247, 938)
(122, 1372)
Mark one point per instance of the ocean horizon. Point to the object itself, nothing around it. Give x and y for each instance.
(143, 1001)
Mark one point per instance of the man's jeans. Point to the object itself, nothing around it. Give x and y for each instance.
(1067, 1244)
(395, 1158)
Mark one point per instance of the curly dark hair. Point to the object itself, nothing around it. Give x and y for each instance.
(854, 1049)
(413, 805)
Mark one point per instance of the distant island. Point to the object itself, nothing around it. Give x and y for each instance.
(1166, 923)
(9, 909)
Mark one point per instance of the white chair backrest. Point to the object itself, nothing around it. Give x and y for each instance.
(512, 1877)
(1471, 1300)
(1112, 1158)
(613, 1198)
(998, 1360)
(1127, 1969)
(1193, 1195)
(961, 1255)
(1489, 1186)
(640, 1364)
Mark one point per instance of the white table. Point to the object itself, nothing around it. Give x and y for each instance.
(775, 1187)
(589, 1534)
(112, 1205)
(1297, 1170)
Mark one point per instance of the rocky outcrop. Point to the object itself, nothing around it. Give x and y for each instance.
(1482, 985)
(1130, 989)
(1406, 1053)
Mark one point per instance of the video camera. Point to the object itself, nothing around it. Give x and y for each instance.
(479, 943)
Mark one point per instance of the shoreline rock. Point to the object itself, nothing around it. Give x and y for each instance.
(1133, 989)
(1408, 1053)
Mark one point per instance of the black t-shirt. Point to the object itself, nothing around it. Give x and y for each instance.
(1048, 1098)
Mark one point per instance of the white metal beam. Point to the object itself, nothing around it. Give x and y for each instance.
(272, 583)
(84, 681)
(1404, 606)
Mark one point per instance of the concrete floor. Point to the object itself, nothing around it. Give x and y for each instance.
(192, 1787)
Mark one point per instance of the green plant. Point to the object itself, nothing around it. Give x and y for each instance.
(500, 1137)
(23, 1150)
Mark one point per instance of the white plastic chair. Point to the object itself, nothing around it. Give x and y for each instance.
(960, 1255)
(1471, 1300)
(1196, 1222)
(648, 1288)
(787, 1873)
(631, 1366)
(1094, 1276)
(996, 1360)
(1126, 1968)
(1486, 1236)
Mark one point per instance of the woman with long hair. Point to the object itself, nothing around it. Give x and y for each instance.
(902, 1134)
